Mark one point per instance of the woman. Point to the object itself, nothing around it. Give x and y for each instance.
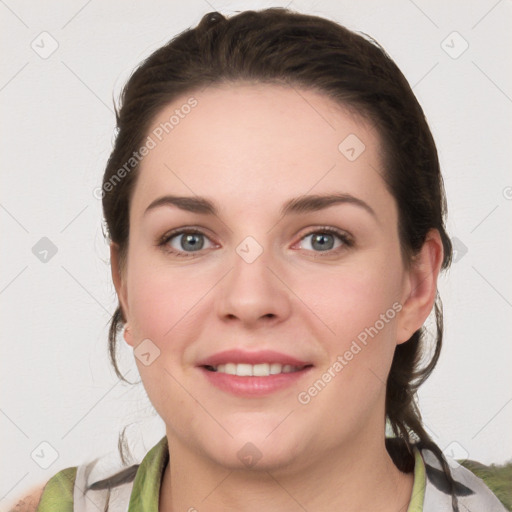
(276, 213)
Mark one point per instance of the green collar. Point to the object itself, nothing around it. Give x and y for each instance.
(146, 486)
(420, 481)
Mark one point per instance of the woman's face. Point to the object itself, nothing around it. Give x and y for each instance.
(276, 276)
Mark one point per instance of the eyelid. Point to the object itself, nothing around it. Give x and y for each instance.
(345, 237)
(168, 235)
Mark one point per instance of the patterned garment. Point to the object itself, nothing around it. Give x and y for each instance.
(139, 486)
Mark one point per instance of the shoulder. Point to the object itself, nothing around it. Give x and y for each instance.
(471, 491)
(29, 502)
(105, 477)
(55, 495)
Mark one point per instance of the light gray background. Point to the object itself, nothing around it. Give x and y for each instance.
(56, 135)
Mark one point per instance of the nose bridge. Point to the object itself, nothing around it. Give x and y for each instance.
(251, 290)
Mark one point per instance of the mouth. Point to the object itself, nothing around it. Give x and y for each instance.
(255, 370)
(253, 373)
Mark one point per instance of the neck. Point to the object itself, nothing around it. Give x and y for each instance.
(359, 475)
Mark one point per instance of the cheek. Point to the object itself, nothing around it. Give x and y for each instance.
(164, 306)
(360, 306)
(355, 299)
(162, 302)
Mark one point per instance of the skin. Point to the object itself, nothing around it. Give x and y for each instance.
(249, 148)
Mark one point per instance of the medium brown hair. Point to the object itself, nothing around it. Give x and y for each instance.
(279, 46)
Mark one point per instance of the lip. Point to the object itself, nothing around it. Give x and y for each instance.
(252, 386)
(240, 356)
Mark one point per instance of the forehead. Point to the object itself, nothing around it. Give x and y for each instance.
(245, 142)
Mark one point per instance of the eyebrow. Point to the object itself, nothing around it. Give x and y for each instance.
(298, 205)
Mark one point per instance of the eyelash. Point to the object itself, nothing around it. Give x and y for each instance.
(343, 236)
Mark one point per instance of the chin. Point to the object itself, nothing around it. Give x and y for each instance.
(257, 449)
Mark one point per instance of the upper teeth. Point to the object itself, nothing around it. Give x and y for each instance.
(257, 370)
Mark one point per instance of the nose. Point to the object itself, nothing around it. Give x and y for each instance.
(254, 293)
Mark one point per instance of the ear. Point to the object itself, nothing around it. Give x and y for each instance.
(118, 277)
(420, 287)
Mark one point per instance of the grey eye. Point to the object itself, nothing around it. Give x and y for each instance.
(320, 241)
(188, 242)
